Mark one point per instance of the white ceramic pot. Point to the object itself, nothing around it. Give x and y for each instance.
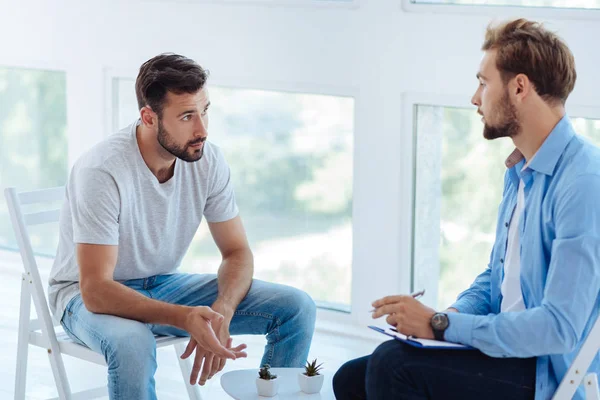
(310, 384)
(267, 388)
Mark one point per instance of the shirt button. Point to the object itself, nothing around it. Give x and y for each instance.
(506, 224)
(502, 260)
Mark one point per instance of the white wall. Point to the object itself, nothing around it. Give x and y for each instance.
(375, 50)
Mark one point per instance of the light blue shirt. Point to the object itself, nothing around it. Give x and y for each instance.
(560, 263)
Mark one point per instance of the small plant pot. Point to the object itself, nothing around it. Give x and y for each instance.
(267, 387)
(310, 384)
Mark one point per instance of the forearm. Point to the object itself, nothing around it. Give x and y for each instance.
(114, 298)
(476, 299)
(529, 333)
(235, 278)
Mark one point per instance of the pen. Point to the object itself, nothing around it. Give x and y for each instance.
(415, 295)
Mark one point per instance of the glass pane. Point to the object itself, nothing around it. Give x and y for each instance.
(291, 162)
(458, 191)
(33, 154)
(520, 3)
(126, 107)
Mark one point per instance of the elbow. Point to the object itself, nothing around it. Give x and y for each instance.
(565, 343)
(567, 335)
(569, 342)
(240, 256)
(90, 297)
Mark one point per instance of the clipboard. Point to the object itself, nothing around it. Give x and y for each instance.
(421, 343)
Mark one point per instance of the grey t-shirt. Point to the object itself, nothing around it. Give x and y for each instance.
(112, 198)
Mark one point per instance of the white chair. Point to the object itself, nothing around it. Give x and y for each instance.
(42, 332)
(577, 372)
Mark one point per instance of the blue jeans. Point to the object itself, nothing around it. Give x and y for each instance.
(284, 314)
(399, 371)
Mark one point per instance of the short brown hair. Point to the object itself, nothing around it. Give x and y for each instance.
(527, 47)
(164, 73)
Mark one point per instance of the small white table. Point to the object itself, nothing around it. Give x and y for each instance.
(241, 385)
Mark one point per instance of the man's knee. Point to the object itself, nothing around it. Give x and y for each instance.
(388, 356)
(300, 307)
(343, 374)
(341, 379)
(349, 380)
(132, 349)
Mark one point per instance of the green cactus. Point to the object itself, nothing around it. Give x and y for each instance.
(312, 369)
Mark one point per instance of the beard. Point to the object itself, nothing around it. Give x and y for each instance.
(166, 141)
(508, 126)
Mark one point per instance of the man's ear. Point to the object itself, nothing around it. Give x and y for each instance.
(522, 87)
(148, 117)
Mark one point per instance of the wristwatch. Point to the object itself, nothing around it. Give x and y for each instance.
(439, 324)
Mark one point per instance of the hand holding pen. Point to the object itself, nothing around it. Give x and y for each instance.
(390, 299)
(408, 315)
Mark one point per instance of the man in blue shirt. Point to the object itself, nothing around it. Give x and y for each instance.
(531, 310)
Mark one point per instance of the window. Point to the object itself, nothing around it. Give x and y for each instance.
(586, 4)
(459, 178)
(33, 154)
(291, 158)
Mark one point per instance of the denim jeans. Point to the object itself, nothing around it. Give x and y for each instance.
(284, 314)
(399, 371)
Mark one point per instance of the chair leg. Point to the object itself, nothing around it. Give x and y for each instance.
(186, 370)
(23, 341)
(60, 376)
(591, 387)
(56, 362)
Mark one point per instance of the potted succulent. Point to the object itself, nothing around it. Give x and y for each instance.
(266, 383)
(311, 380)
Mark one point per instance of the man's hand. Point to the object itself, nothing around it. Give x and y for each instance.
(207, 357)
(222, 331)
(199, 324)
(211, 362)
(408, 315)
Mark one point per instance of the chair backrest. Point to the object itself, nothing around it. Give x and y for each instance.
(20, 221)
(577, 371)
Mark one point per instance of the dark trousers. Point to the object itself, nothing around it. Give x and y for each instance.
(397, 371)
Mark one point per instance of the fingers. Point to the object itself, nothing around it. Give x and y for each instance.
(218, 367)
(222, 362)
(391, 319)
(197, 365)
(189, 349)
(216, 361)
(388, 309)
(210, 315)
(207, 368)
(224, 353)
(239, 348)
(208, 341)
(388, 300)
(240, 354)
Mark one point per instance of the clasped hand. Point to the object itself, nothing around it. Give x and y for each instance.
(210, 339)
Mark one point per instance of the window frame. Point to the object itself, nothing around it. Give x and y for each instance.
(411, 102)
(503, 11)
(325, 4)
(332, 318)
(46, 66)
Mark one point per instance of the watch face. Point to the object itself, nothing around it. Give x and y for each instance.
(439, 322)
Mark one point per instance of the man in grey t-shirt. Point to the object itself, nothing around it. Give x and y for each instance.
(133, 204)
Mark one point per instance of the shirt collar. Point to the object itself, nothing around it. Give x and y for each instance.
(547, 156)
